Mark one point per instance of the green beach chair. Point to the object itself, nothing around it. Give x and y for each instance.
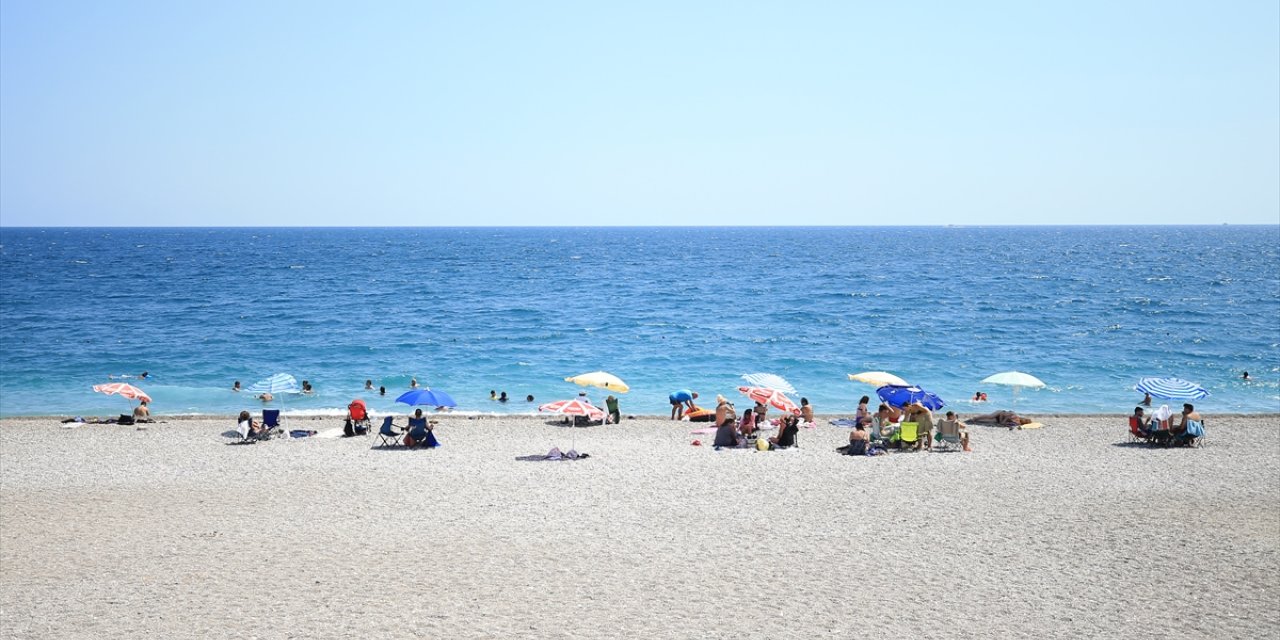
(908, 434)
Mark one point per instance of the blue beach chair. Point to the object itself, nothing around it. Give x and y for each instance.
(272, 422)
(390, 437)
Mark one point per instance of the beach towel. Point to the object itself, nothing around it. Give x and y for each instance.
(845, 422)
(554, 455)
(1032, 425)
(301, 433)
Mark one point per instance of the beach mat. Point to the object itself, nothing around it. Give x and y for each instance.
(1032, 425)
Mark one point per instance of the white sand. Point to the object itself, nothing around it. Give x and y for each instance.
(107, 531)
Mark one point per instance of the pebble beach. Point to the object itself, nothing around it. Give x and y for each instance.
(1065, 531)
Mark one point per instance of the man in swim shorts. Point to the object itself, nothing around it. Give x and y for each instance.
(682, 401)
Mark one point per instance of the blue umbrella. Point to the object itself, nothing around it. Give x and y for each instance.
(1171, 388)
(898, 395)
(426, 397)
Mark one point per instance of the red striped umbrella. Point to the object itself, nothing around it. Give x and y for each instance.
(771, 397)
(123, 390)
(573, 407)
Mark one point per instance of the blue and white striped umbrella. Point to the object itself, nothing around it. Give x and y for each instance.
(1171, 388)
(279, 383)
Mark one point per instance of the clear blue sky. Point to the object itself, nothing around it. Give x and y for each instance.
(592, 113)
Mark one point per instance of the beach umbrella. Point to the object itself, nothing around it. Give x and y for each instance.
(426, 397)
(877, 378)
(600, 379)
(769, 381)
(573, 407)
(123, 390)
(1015, 379)
(276, 385)
(902, 395)
(279, 383)
(771, 397)
(1171, 388)
(126, 391)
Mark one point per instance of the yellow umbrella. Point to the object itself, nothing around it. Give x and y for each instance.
(877, 378)
(600, 379)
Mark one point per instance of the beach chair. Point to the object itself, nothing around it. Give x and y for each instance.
(908, 435)
(359, 413)
(1136, 433)
(946, 441)
(421, 435)
(1193, 436)
(272, 423)
(390, 437)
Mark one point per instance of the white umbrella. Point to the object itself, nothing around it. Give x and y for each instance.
(1015, 379)
(878, 378)
(769, 381)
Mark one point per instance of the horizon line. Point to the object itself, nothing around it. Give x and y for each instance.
(652, 226)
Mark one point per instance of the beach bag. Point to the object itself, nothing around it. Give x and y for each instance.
(124, 419)
(348, 429)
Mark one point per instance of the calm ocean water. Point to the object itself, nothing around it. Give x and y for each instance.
(1088, 310)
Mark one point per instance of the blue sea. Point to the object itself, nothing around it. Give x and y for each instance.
(1089, 310)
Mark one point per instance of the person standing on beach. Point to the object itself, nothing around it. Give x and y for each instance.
(682, 401)
(611, 404)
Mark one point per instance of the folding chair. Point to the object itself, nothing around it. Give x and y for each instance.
(388, 433)
(1136, 434)
(271, 422)
(908, 434)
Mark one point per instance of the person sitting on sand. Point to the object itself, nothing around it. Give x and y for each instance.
(806, 411)
(863, 415)
(762, 414)
(141, 413)
(748, 424)
(951, 426)
(1002, 419)
(724, 412)
(726, 434)
(859, 440)
(920, 414)
(788, 427)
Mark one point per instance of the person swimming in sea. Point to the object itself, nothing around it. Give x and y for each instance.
(235, 386)
(1245, 377)
(503, 397)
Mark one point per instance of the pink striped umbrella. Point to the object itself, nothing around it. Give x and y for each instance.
(123, 390)
(771, 397)
(573, 407)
